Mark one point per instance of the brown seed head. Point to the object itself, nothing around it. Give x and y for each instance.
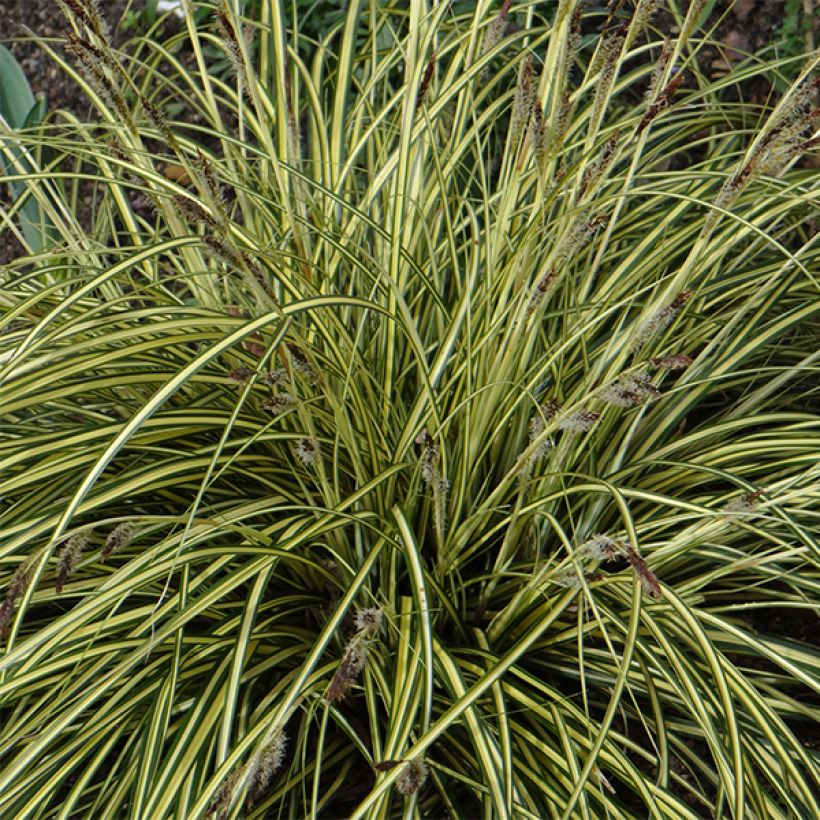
(601, 548)
(353, 661)
(307, 451)
(119, 538)
(424, 85)
(19, 584)
(241, 375)
(413, 777)
(263, 766)
(579, 421)
(68, 558)
(279, 404)
(674, 361)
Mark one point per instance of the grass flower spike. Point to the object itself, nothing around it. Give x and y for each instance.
(368, 624)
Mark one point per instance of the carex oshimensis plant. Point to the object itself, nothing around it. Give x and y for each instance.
(420, 423)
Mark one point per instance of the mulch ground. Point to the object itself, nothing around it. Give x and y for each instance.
(19, 19)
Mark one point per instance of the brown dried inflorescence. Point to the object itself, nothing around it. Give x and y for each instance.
(573, 43)
(743, 504)
(158, 120)
(599, 547)
(231, 46)
(579, 421)
(433, 478)
(241, 375)
(581, 234)
(674, 361)
(523, 100)
(302, 363)
(629, 390)
(545, 414)
(86, 51)
(192, 211)
(263, 766)
(599, 167)
(649, 581)
(87, 12)
(661, 318)
(429, 456)
(608, 60)
(538, 138)
(660, 102)
(424, 85)
(658, 71)
(551, 408)
(275, 377)
(785, 138)
(222, 249)
(206, 169)
(413, 777)
(17, 588)
(387, 765)
(604, 548)
(68, 558)
(645, 10)
(95, 64)
(224, 796)
(307, 451)
(496, 28)
(541, 290)
(279, 404)
(368, 624)
(353, 662)
(562, 120)
(119, 538)
(369, 620)
(255, 269)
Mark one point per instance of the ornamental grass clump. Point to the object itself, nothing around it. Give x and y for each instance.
(358, 349)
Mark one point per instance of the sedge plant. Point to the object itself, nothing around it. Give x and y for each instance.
(423, 424)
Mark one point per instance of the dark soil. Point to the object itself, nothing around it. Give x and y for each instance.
(20, 19)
